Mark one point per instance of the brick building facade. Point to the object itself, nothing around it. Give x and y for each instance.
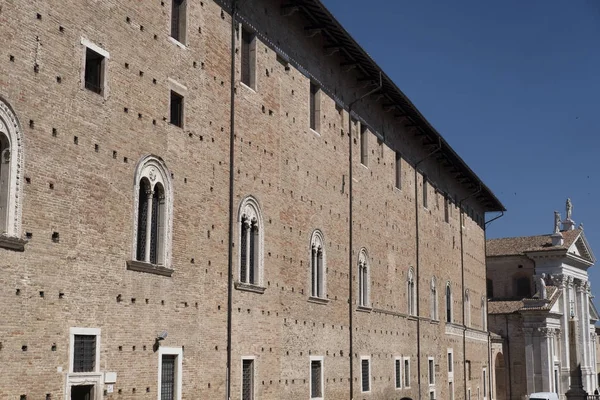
(116, 122)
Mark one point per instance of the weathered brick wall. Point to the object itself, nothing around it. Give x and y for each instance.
(299, 177)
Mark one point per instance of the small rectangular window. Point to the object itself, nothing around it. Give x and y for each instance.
(315, 107)
(248, 58)
(178, 20)
(450, 363)
(398, 170)
(316, 379)
(365, 375)
(425, 190)
(431, 371)
(406, 372)
(176, 109)
(468, 367)
(94, 71)
(432, 395)
(247, 379)
(364, 145)
(84, 353)
(451, 390)
(167, 382)
(484, 380)
(398, 373)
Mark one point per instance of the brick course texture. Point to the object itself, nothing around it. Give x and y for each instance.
(299, 177)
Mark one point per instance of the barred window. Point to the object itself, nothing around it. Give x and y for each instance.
(448, 303)
(167, 384)
(407, 372)
(247, 379)
(365, 375)
(316, 379)
(398, 373)
(84, 353)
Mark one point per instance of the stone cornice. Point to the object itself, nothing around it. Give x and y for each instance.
(12, 243)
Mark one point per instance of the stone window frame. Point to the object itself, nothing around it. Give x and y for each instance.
(153, 169)
(448, 299)
(95, 377)
(320, 359)
(434, 300)
(250, 209)
(406, 370)
(483, 313)
(244, 29)
(364, 278)
(315, 93)
(467, 305)
(88, 44)
(182, 91)
(431, 371)
(10, 128)
(254, 373)
(410, 292)
(173, 351)
(318, 271)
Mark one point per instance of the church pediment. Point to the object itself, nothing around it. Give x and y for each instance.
(581, 249)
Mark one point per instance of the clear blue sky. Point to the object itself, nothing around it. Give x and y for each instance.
(513, 86)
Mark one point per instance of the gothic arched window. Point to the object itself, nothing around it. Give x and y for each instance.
(11, 171)
(317, 265)
(251, 242)
(153, 212)
(363, 278)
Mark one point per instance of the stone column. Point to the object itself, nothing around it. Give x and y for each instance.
(546, 356)
(529, 360)
(583, 336)
(564, 284)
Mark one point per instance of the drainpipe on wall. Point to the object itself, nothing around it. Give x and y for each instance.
(462, 277)
(231, 197)
(492, 382)
(417, 253)
(350, 246)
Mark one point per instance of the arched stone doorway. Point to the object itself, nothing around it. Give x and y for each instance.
(500, 375)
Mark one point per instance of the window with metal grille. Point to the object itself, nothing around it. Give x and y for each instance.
(167, 378)
(178, 19)
(364, 145)
(247, 379)
(431, 372)
(365, 375)
(406, 372)
(142, 219)
(448, 304)
(94, 71)
(82, 392)
(84, 353)
(248, 58)
(244, 251)
(398, 374)
(176, 109)
(315, 379)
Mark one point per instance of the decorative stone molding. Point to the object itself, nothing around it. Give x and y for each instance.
(141, 266)
(11, 129)
(318, 300)
(250, 212)
(249, 287)
(154, 169)
(12, 243)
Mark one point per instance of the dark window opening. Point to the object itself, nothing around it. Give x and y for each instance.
(84, 353)
(178, 20)
(490, 288)
(398, 169)
(365, 376)
(431, 373)
(248, 58)
(94, 71)
(176, 109)
(425, 190)
(315, 379)
(398, 374)
(167, 378)
(314, 107)
(523, 287)
(82, 392)
(448, 304)
(364, 145)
